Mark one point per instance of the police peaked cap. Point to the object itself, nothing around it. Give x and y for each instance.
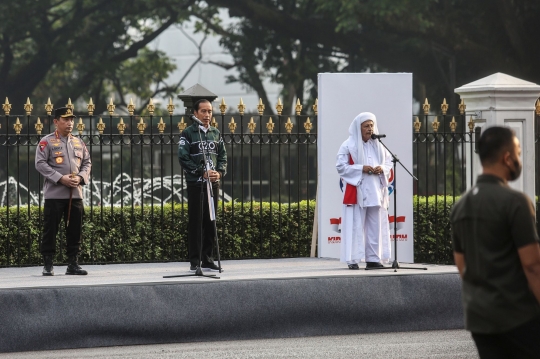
(63, 112)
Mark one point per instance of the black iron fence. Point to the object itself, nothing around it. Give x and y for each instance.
(443, 148)
(136, 177)
(136, 202)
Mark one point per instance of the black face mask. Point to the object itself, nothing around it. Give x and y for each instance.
(516, 171)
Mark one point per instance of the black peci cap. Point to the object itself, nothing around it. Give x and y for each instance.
(63, 112)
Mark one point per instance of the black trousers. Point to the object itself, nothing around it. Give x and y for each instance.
(53, 212)
(522, 342)
(194, 226)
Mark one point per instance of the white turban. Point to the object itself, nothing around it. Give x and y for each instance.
(355, 137)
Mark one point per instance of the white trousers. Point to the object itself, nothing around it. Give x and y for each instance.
(372, 232)
(362, 234)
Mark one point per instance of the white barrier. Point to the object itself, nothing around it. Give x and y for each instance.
(341, 98)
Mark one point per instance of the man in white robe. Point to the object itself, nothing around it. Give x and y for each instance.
(364, 167)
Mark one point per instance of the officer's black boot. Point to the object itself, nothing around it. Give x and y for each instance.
(48, 269)
(73, 267)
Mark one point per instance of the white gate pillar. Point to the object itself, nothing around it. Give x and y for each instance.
(503, 100)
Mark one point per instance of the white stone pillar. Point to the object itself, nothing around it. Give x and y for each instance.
(503, 100)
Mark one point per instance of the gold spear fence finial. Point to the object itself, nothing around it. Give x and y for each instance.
(426, 107)
(28, 107)
(17, 126)
(90, 107)
(111, 107)
(101, 126)
(151, 107)
(462, 107)
(308, 125)
(70, 105)
(80, 126)
(6, 107)
(417, 124)
(223, 106)
(131, 107)
(182, 125)
(453, 124)
(298, 107)
(161, 125)
(537, 107)
(289, 125)
(170, 107)
(241, 106)
(279, 106)
(232, 125)
(214, 123)
(471, 124)
(38, 126)
(270, 125)
(121, 126)
(444, 107)
(141, 126)
(260, 107)
(435, 124)
(316, 106)
(49, 106)
(252, 125)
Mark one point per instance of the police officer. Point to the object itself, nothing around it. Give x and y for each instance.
(65, 164)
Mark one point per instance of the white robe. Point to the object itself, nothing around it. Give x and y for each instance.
(372, 192)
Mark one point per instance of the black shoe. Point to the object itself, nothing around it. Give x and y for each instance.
(211, 267)
(74, 268)
(48, 270)
(353, 266)
(374, 265)
(193, 268)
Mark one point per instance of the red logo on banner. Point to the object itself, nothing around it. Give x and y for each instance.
(399, 225)
(400, 222)
(334, 240)
(336, 224)
(391, 179)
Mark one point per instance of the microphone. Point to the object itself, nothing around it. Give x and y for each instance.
(195, 119)
(375, 137)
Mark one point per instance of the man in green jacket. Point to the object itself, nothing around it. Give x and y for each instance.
(190, 155)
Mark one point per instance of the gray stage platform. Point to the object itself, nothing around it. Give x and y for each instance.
(126, 304)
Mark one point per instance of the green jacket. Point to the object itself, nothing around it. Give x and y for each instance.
(190, 152)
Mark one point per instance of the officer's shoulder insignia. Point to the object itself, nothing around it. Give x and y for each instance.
(42, 145)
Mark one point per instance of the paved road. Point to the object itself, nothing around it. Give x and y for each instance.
(447, 344)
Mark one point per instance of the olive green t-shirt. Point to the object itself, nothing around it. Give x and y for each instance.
(489, 223)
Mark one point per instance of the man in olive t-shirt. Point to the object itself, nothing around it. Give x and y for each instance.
(497, 253)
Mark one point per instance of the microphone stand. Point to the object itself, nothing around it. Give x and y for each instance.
(395, 263)
(199, 272)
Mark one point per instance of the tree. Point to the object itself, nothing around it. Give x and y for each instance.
(70, 48)
(443, 43)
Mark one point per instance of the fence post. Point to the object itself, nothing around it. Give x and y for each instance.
(503, 100)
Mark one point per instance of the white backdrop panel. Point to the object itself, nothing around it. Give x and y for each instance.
(341, 98)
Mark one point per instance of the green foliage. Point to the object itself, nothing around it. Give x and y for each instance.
(432, 232)
(77, 49)
(150, 234)
(245, 230)
(444, 43)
